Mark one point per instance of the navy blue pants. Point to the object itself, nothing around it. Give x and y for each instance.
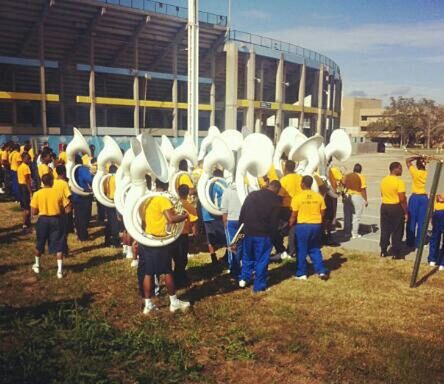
(234, 258)
(82, 215)
(14, 185)
(417, 209)
(437, 235)
(112, 227)
(256, 256)
(309, 237)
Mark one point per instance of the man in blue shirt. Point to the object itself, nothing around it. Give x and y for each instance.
(214, 226)
(82, 204)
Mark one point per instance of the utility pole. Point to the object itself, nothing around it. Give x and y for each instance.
(193, 70)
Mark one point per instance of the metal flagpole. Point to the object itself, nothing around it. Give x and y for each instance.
(426, 223)
(193, 70)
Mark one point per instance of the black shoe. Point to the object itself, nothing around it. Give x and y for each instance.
(384, 254)
(213, 258)
(323, 276)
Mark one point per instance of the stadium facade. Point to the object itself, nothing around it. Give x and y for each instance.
(122, 64)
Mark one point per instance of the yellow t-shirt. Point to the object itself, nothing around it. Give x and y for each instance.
(439, 206)
(31, 153)
(86, 160)
(62, 187)
(419, 177)
(155, 219)
(351, 191)
(308, 204)
(271, 175)
(22, 171)
(196, 174)
(336, 172)
(390, 187)
(184, 179)
(290, 187)
(15, 159)
(110, 187)
(62, 156)
(192, 216)
(49, 202)
(22, 148)
(44, 169)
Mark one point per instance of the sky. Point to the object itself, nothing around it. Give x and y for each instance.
(384, 47)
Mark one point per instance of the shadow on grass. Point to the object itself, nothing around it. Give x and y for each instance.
(94, 262)
(335, 261)
(11, 237)
(427, 276)
(12, 267)
(86, 249)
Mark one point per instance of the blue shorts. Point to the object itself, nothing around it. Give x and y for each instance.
(25, 197)
(49, 229)
(215, 233)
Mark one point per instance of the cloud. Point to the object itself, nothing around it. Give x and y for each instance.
(357, 93)
(364, 38)
(255, 14)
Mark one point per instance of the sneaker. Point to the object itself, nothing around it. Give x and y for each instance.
(179, 305)
(59, 275)
(356, 236)
(303, 277)
(36, 268)
(242, 283)
(135, 263)
(323, 276)
(2, 191)
(285, 256)
(432, 263)
(148, 310)
(384, 254)
(129, 253)
(441, 268)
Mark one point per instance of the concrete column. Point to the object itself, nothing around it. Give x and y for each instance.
(136, 92)
(338, 104)
(105, 93)
(320, 124)
(92, 88)
(301, 95)
(251, 85)
(213, 90)
(174, 94)
(14, 103)
(279, 98)
(62, 97)
(231, 86)
(42, 80)
(259, 116)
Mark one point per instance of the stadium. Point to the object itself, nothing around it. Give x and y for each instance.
(119, 67)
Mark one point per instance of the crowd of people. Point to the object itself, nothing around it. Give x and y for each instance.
(282, 207)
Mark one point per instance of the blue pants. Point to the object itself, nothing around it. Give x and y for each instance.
(256, 256)
(14, 185)
(437, 236)
(417, 210)
(309, 243)
(234, 258)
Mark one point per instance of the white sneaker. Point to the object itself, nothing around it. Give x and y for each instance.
(303, 277)
(242, 283)
(59, 275)
(135, 263)
(356, 236)
(36, 268)
(179, 304)
(432, 263)
(148, 310)
(285, 256)
(2, 192)
(441, 268)
(129, 253)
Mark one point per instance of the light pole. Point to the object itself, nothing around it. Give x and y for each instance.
(193, 70)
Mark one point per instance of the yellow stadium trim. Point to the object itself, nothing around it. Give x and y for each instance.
(27, 96)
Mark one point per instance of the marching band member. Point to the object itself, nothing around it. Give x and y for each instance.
(86, 159)
(49, 204)
(260, 216)
(14, 161)
(62, 186)
(230, 208)
(24, 182)
(62, 154)
(190, 228)
(45, 159)
(435, 254)
(185, 178)
(355, 199)
(157, 260)
(418, 201)
(112, 228)
(308, 210)
(393, 210)
(82, 204)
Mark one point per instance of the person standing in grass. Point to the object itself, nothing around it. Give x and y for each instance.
(308, 209)
(14, 161)
(112, 227)
(24, 181)
(49, 205)
(418, 201)
(159, 212)
(260, 216)
(62, 186)
(393, 210)
(436, 256)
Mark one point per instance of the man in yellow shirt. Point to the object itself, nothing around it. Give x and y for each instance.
(62, 186)
(3, 160)
(393, 210)
(24, 181)
(436, 256)
(46, 159)
(49, 204)
(181, 256)
(308, 210)
(14, 161)
(185, 178)
(418, 201)
(87, 160)
(112, 226)
(157, 260)
(355, 200)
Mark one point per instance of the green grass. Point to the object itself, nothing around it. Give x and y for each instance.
(364, 325)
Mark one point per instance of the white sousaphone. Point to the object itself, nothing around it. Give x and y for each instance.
(78, 144)
(255, 160)
(150, 161)
(123, 175)
(185, 151)
(166, 147)
(220, 154)
(111, 153)
(213, 132)
(290, 137)
(308, 152)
